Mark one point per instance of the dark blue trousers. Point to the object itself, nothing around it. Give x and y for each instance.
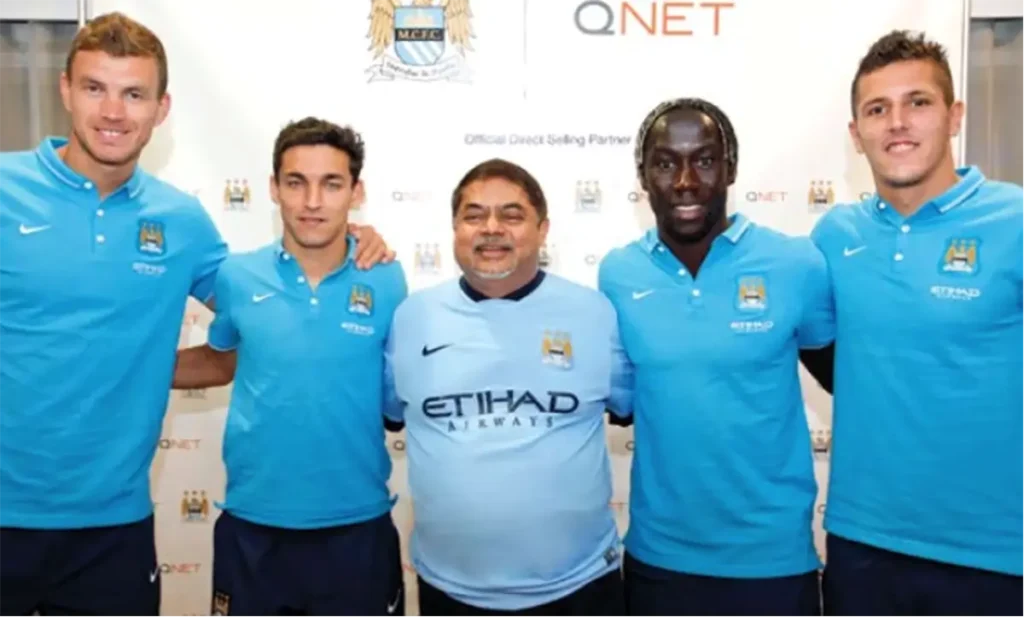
(864, 580)
(92, 571)
(656, 591)
(346, 570)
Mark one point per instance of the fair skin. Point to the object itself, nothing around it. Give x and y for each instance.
(315, 191)
(903, 127)
(114, 104)
(498, 235)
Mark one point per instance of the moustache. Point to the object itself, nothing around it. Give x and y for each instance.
(487, 243)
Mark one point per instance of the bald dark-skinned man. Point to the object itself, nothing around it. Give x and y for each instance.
(713, 311)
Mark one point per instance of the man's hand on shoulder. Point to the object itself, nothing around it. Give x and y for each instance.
(370, 247)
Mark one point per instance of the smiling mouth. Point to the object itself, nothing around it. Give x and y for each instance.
(899, 147)
(492, 251)
(310, 220)
(111, 134)
(688, 213)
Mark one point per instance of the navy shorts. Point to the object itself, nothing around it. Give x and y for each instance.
(345, 570)
(864, 580)
(91, 571)
(656, 591)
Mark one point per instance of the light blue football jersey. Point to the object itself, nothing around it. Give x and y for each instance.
(503, 402)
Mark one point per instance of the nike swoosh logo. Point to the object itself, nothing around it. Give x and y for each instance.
(847, 252)
(642, 294)
(26, 230)
(393, 605)
(153, 575)
(430, 350)
(257, 299)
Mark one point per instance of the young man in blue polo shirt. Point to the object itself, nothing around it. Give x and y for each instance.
(306, 525)
(502, 378)
(97, 260)
(713, 311)
(924, 504)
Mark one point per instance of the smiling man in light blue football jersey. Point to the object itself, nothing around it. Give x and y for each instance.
(714, 311)
(924, 503)
(502, 378)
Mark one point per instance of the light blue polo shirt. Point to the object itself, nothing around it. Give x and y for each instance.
(926, 450)
(304, 443)
(722, 481)
(92, 297)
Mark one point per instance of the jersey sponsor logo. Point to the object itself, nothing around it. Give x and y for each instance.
(360, 300)
(751, 294)
(961, 257)
(492, 409)
(151, 237)
(946, 292)
(556, 349)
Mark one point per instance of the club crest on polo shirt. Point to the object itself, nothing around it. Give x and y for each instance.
(751, 294)
(360, 300)
(961, 257)
(556, 349)
(151, 237)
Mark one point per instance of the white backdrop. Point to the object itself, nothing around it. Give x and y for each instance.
(531, 86)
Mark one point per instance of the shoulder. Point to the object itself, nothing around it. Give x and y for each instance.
(163, 198)
(785, 249)
(246, 264)
(576, 298)
(620, 263)
(389, 276)
(1003, 201)
(430, 298)
(22, 176)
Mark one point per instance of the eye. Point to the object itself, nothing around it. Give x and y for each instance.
(705, 162)
(664, 164)
(920, 102)
(335, 186)
(874, 110)
(293, 184)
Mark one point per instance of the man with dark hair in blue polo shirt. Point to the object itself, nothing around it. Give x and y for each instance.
(97, 260)
(924, 504)
(713, 311)
(306, 525)
(502, 378)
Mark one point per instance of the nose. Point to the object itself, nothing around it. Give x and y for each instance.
(897, 118)
(112, 108)
(492, 226)
(314, 199)
(687, 180)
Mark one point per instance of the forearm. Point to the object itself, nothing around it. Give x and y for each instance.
(203, 367)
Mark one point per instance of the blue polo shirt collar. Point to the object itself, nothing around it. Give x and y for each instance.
(47, 153)
(971, 179)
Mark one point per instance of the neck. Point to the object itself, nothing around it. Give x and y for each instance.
(316, 263)
(693, 254)
(499, 288)
(908, 200)
(106, 178)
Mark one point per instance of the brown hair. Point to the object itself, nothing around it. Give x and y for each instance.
(898, 46)
(315, 132)
(500, 168)
(120, 36)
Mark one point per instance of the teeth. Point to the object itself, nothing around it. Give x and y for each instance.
(688, 208)
(900, 147)
(110, 133)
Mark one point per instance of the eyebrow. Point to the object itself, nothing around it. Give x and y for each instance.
(300, 176)
(509, 206)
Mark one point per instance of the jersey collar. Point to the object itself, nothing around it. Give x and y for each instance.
(47, 153)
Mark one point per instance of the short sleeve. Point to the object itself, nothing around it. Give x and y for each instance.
(817, 325)
(393, 407)
(223, 335)
(621, 400)
(211, 252)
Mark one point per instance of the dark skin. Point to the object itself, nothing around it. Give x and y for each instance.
(684, 165)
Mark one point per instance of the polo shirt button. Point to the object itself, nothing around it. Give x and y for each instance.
(314, 301)
(100, 238)
(301, 279)
(905, 229)
(87, 185)
(696, 293)
(898, 256)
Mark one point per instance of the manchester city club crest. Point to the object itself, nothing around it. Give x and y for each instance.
(961, 257)
(751, 294)
(426, 40)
